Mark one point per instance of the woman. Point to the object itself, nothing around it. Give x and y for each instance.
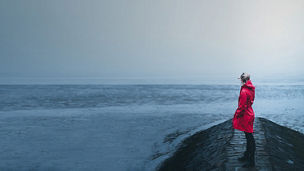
(244, 117)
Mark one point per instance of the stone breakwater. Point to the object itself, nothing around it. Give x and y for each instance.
(218, 147)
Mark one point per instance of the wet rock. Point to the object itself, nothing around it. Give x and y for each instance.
(217, 148)
(284, 146)
(204, 150)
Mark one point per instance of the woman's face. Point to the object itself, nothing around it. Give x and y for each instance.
(242, 83)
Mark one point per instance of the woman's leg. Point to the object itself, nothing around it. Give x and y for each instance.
(251, 147)
(247, 143)
(245, 156)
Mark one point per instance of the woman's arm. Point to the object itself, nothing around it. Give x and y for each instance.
(242, 104)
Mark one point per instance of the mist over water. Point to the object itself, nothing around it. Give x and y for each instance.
(31, 97)
(137, 125)
(117, 85)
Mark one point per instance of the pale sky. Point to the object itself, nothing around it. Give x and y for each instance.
(151, 39)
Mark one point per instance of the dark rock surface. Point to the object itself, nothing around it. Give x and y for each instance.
(204, 150)
(217, 148)
(284, 146)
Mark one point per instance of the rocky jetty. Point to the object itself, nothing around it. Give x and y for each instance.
(218, 147)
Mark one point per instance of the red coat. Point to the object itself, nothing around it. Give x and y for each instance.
(244, 115)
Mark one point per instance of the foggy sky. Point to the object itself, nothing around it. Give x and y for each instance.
(151, 39)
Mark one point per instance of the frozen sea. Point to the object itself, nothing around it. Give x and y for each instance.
(122, 127)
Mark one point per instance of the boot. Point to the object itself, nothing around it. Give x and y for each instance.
(245, 156)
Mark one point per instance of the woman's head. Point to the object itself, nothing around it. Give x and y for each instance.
(244, 77)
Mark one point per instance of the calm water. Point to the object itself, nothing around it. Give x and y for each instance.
(137, 126)
(31, 97)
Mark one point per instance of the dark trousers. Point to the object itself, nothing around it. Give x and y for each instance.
(250, 146)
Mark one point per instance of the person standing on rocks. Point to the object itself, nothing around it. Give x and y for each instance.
(244, 117)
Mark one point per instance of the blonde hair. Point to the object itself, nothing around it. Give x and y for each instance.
(245, 77)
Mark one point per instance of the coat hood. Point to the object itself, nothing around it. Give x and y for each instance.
(249, 85)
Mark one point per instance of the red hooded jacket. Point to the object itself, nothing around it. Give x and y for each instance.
(244, 115)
